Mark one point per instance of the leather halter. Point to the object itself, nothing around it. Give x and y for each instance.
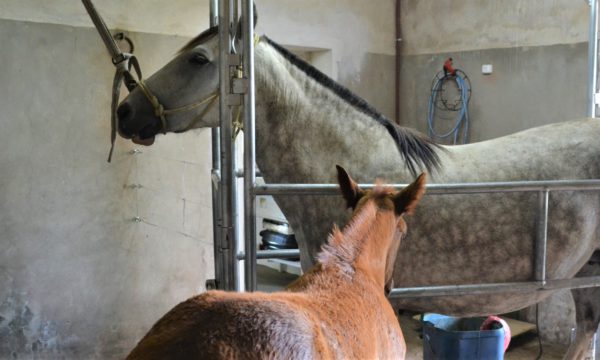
(161, 113)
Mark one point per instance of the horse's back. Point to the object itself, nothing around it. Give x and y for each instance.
(219, 325)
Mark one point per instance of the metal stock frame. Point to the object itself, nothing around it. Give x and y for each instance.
(228, 257)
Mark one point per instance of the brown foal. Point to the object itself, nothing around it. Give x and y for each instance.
(337, 310)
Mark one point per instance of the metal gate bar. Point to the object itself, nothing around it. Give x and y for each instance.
(592, 103)
(249, 147)
(215, 177)
(439, 189)
(540, 257)
(494, 288)
(227, 221)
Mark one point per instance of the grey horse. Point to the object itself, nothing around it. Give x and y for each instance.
(306, 123)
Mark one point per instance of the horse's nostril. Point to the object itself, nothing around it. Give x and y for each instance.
(124, 112)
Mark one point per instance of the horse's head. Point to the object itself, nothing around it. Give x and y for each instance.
(389, 203)
(180, 96)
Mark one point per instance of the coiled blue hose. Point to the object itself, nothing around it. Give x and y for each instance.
(462, 119)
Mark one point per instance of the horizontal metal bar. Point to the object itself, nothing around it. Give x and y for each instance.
(277, 254)
(438, 189)
(273, 254)
(495, 288)
(240, 173)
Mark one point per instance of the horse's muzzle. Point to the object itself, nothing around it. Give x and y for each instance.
(125, 116)
(140, 129)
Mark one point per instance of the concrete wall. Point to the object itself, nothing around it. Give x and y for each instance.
(530, 86)
(430, 26)
(79, 278)
(538, 49)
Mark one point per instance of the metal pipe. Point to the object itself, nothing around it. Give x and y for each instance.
(107, 38)
(240, 173)
(234, 19)
(216, 174)
(228, 246)
(495, 288)
(249, 146)
(214, 13)
(273, 254)
(398, 58)
(592, 59)
(542, 237)
(438, 189)
(278, 254)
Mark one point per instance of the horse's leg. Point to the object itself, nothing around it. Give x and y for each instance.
(587, 312)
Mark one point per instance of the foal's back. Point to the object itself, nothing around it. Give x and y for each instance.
(316, 323)
(222, 325)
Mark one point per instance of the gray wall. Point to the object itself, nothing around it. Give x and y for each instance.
(79, 278)
(530, 86)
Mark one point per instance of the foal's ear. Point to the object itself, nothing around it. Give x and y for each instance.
(350, 190)
(407, 199)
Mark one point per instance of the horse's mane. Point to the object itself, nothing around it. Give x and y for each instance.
(416, 149)
(344, 246)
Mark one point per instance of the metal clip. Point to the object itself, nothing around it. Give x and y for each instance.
(211, 284)
(234, 100)
(239, 85)
(235, 60)
(215, 177)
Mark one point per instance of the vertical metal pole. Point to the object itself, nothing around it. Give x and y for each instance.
(542, 237)
(235, 15)
(215, 178)
(592, 59)
(214, 13)
(227, 183)
(249, 147)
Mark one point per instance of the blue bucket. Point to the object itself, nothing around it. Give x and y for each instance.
(447, 337)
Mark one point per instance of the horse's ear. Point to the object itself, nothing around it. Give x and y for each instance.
(255, 13)
(350, 190)
(407, 199)
(238, 33)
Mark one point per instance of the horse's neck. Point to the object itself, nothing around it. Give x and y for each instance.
(376, 244)
(304, 128)
(360, 250)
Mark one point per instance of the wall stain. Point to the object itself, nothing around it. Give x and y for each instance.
(24, 335)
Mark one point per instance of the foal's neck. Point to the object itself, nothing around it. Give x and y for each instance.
(363, 245)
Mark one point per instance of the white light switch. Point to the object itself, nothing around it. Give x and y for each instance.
(487, 69)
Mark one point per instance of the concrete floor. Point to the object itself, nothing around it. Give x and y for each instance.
(524, 347)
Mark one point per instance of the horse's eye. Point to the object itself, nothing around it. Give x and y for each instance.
(198, 59)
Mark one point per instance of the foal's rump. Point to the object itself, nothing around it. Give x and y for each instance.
(222, 325)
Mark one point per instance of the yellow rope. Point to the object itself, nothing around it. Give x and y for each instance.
(161, 113)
